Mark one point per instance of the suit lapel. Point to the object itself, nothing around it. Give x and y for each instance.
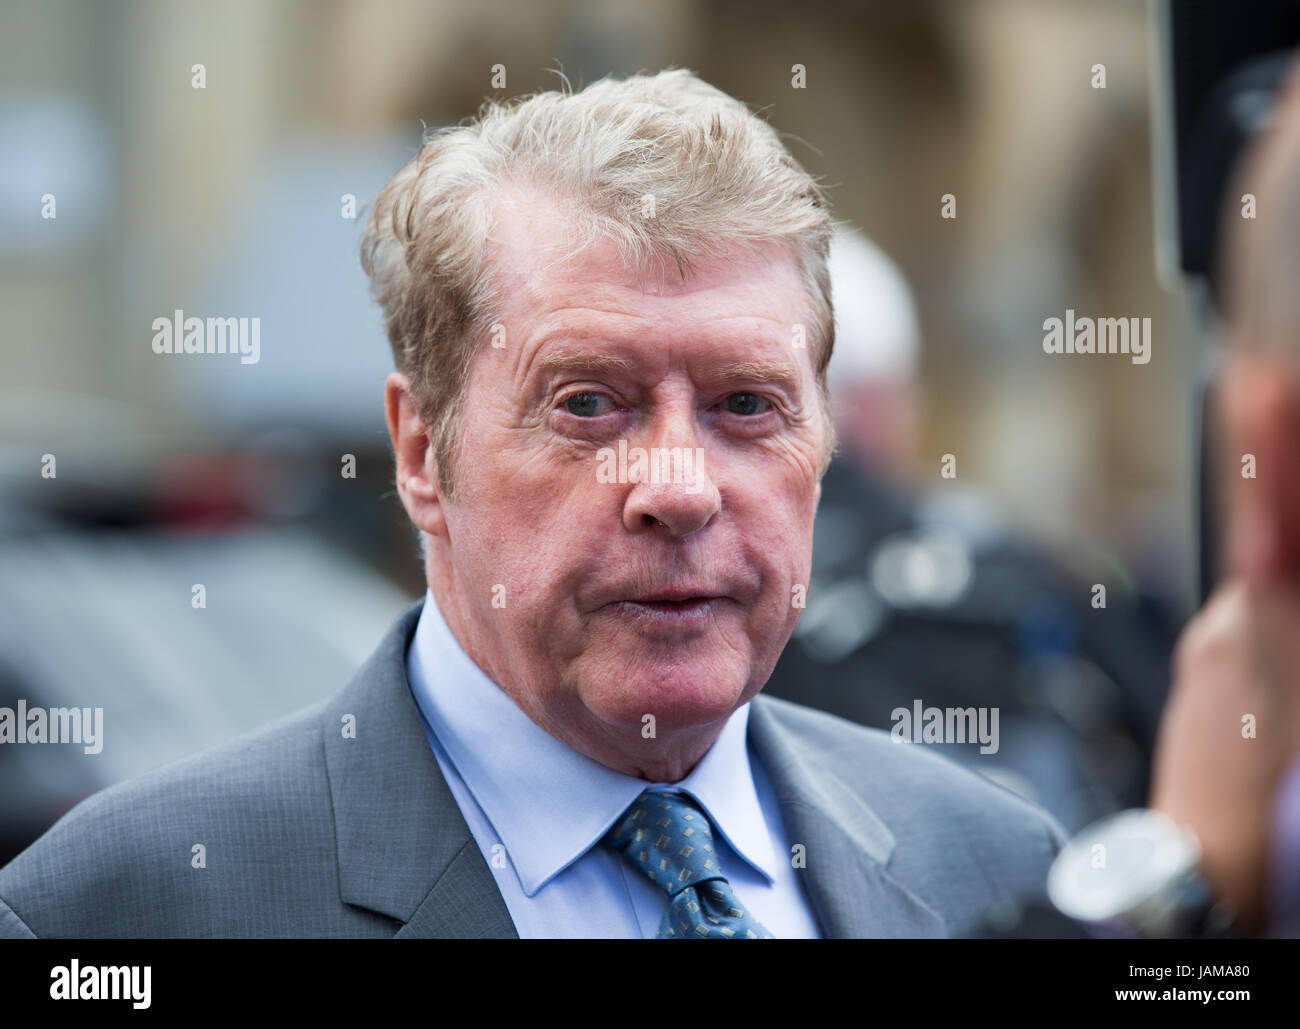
(403, 847)
(847, 848)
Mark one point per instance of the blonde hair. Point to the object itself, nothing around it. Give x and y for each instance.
(719, 178)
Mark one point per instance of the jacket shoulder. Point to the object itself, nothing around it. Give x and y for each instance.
(962, 842)
(885, 766)
(187, 849)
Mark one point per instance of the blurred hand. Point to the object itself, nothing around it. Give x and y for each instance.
(1216, 769)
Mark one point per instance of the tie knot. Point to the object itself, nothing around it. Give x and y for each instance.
(669, 838)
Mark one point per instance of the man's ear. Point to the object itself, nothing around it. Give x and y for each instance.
(1261, 406)
(417, 468)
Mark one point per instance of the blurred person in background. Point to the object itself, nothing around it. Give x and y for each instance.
(924, 592)
(1218, 848)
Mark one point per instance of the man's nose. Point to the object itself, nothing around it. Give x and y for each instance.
(671, 508)
(672, 490)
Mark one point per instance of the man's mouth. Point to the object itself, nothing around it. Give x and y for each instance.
(685, 609)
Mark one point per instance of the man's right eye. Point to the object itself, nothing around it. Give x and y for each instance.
(587, 404)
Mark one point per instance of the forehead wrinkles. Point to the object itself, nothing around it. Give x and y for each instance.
(586, 341)
(537, 235)
(591, 303)
(554, 291)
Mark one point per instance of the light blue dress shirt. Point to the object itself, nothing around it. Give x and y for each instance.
(538, 808)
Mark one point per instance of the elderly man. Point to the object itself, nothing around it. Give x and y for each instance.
(611, 320)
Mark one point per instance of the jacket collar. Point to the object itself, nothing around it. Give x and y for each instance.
(405, 851)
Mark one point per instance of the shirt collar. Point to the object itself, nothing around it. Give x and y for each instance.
(547, 802)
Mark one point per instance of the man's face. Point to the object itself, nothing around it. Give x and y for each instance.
(620, 599)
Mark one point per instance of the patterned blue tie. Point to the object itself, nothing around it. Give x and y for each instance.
(668, 837)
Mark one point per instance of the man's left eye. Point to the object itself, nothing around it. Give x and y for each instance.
(746, 403)
(587, 404)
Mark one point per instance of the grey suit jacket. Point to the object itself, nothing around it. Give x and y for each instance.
(307, 833)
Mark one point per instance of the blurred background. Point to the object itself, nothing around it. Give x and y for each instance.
(247, 198)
